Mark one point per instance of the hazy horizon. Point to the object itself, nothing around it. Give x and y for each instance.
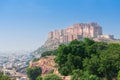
(24, 24)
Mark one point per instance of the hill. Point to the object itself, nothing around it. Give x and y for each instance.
(85, 59)
(75, 31)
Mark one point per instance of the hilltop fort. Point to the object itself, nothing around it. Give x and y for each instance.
(76, 31)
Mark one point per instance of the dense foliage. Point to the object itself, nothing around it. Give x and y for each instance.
(92, 59)
(52, 77)
(83, 75)
(39, 78)
(48, 53)
(118, 77)
(35, 59)
(34, 72)
(4, 77)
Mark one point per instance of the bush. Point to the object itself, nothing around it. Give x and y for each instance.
(34, 72)
(118, 75)
(48, 53)
(83, 75)
(35, 59)
(39, 78)
(52, 77)
(3, 77)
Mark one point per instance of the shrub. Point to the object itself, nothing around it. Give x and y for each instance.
(52, 77)
(34, 72)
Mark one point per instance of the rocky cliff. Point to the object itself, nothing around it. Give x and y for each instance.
(47, 65)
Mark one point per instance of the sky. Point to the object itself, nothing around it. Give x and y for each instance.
(24, 24)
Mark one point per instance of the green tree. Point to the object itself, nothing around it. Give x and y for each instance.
(99, 59)
(92, 64)
(83, 75)
(4, 77)
(34, 72)
(1, 74)
(76, 74)
(52, 77)
(89, 41)
(35, 59)
(39, 78)
(118, 76)
(105, 63)
(69, 57)
(110, 61)
(64, 70)
(48, 53)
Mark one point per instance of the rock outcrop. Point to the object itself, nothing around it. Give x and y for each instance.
(47, 65)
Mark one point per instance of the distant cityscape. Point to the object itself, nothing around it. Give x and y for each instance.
(15, 65)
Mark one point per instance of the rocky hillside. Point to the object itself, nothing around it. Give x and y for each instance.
(47, 65)
(75, 31)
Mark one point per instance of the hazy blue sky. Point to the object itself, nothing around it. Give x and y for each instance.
(24, 24)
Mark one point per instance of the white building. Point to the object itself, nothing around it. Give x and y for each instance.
(105, 36)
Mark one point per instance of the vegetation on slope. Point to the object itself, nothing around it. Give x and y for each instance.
(34, 72)
(89, 58)
(118, 76)
(35, 59)
(49, 53)
(52, 77)
(4, 77)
